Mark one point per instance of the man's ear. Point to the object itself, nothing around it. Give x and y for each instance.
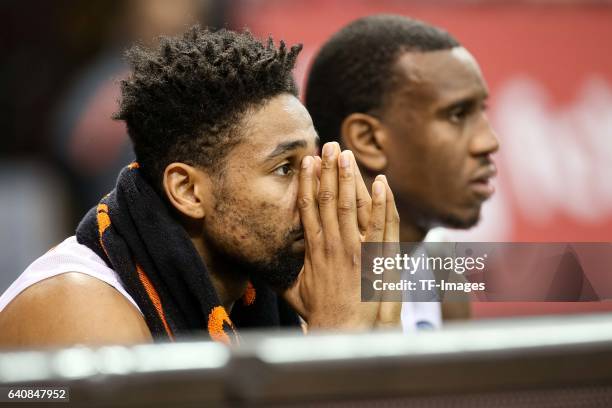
(364, 135)
(187, 188)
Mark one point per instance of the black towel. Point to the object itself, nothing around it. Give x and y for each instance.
(133, 231)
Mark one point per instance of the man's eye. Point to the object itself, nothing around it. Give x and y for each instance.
(458, 114)
(283, 170)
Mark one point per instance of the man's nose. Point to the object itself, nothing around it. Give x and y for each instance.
(484, 141)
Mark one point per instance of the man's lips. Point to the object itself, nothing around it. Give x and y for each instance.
(481, 182)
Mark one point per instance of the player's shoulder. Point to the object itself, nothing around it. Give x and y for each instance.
(71, 308)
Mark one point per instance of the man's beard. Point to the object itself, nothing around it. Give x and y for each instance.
(280, 272)
(426, 218)
(453, 221)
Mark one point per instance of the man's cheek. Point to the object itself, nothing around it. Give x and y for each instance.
(284, 201)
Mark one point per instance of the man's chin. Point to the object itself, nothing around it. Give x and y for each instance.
(463, 221)
(455, 218)
(281, 272)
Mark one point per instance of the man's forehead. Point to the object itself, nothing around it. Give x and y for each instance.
(461, 54)
(281, 122)
(442, 72)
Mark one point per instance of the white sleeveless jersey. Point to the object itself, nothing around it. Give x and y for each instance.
(420, 310)
(69, 256)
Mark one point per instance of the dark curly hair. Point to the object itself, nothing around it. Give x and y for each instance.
(184, 100)
(353, 71)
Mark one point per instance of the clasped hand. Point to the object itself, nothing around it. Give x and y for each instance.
(338, 214)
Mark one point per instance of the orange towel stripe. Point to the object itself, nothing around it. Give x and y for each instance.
(216, 318)
(103, 219)
(103, 223)
(152, 293)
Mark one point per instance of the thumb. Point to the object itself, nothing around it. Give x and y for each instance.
(293, 296)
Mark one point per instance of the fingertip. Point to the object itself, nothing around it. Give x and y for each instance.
(345, 160)
(351, 156)
(307, 162)
(383, 179)
(378, 188)
(330, 149)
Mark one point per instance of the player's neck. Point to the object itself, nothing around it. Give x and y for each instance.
(410, 232)
(229, 283)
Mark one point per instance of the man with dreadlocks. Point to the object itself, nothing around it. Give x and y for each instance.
(226, 220)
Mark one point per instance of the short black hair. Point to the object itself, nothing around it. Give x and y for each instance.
(353, 71)
(183, 99)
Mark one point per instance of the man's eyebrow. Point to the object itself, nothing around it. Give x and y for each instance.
(285, 147)
(466, 99)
